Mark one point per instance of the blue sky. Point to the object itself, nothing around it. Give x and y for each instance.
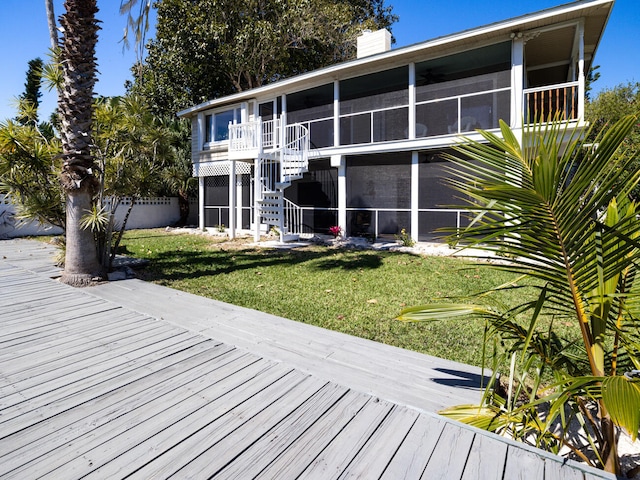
(24, 36)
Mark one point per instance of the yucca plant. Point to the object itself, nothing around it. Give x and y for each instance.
(555, 207)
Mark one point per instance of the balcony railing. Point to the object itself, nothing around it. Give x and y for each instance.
(552, 102)
(456, 114)
(246, 137)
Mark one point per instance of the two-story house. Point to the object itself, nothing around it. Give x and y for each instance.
(359, 144)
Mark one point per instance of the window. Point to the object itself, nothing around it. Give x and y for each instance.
(217, 125)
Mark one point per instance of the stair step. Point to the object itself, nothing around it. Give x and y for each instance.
(271, 211)
(271, 202)
(289, 179)
(271, 218)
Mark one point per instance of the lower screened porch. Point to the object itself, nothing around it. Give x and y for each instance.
(374, 196)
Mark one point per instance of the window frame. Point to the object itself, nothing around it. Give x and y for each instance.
(210, 125)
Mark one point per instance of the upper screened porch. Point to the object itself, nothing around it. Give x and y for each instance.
(424, 96)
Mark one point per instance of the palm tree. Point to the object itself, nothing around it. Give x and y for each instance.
(555, 206)
(75, 98)
(75, 103)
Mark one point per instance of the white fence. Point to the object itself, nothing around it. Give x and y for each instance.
(151, 212)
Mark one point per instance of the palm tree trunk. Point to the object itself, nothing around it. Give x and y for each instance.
(75, 103)
(51, 21)
(81, 265)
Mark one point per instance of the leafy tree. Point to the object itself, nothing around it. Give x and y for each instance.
(29, 168)
(136, 152)
(208, 48)
(554, 205)
(30, 100)
(609, 106)
(29, 159)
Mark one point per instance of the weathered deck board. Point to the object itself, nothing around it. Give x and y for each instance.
(486, 458)
(137, 380)
(282, 437)
(448, 458)
(307, 446)
(413, 454)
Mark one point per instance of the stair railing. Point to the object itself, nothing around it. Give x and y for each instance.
(294, 152)
(292, 217)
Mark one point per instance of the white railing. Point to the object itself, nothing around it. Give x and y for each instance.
(250, 136)
(462, 121)
(551, 102)
(374, 224)
(292, 217)
(243, 136)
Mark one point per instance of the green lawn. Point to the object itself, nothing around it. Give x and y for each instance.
(358, 292)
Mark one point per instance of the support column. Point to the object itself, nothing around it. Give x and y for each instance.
(239, 204)
(339, 161)
(336, 113)
(257, 196)
(232, 199)
(581, 72)
(201, 181)
(517, 81)
(412, 101)
(415, 185)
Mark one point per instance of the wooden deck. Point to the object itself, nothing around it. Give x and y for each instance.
(133, 380)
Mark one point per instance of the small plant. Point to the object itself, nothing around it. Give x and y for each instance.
(336, 231)
(405, 238)
(221, 228)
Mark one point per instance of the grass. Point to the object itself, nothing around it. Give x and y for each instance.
(358, 292)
